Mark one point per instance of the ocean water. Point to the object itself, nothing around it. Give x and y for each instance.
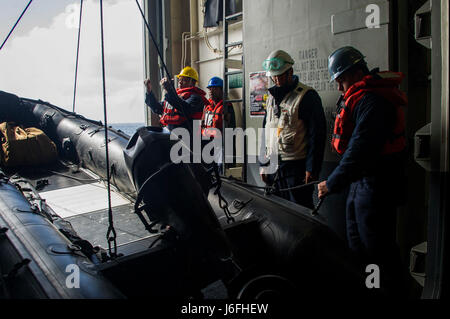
(127, 128)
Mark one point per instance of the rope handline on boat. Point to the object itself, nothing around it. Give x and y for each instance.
(11, 31)
(297, 187)
(270, 188)
(76, 60)
(111, 233)
(154, 41)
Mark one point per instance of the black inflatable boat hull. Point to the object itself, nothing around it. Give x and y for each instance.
(275, 243)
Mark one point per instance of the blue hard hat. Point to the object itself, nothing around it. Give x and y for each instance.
(343, 59)
(215, 81)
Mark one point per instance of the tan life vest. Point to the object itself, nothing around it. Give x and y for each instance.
(25, 146)
(287, 132)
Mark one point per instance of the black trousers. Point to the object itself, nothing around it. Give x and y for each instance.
(371, 231)
(290, 174)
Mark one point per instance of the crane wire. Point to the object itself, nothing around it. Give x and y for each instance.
(11, 31)
(76, 61)
(154, 41)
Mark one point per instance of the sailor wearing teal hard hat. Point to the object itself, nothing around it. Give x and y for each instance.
(295, 130)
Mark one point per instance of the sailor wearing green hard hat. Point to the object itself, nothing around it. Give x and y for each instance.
(295, 129)
(179, 108)
(277, 63)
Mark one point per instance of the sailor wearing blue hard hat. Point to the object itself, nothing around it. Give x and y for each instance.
(216, 116)
(214, 113)
(215, 82)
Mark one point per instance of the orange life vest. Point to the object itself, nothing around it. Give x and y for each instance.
(173, 116)
(212, 118)
(384, 84)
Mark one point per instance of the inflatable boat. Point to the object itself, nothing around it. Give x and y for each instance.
(162, 229)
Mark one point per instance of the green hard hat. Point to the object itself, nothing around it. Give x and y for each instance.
(277, 63)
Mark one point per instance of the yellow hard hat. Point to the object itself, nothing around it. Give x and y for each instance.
(189, 72)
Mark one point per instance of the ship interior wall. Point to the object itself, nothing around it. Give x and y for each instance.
(309, 31)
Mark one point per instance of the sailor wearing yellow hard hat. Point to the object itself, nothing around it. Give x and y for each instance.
(179, 107)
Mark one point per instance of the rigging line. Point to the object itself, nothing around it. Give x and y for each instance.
(73, 177)
(76, 61)
(270, 187)
(23, 12)
(298, 186)
(111, 230)
(154, 41)
(182, 110)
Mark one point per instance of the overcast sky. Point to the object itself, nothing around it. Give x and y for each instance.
(38, 61)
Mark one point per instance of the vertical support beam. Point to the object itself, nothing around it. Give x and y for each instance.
(151, 66)
(438, 221)
(194, 31)
(178, 21)
(226, 81)
(244, 109)
(225, 77)
(445, 107)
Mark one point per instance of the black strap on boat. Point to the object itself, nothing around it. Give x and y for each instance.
(140, 196)
(76, 60)
(111, 233)
(23, 12)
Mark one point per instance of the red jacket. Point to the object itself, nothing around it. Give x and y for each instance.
(212, 118)
(384, 84)
(171, 116)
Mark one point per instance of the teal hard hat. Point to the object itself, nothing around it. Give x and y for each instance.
(277, 63)
(343, 59)
(215, 82)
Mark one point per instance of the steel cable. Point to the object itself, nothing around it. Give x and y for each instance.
(76, 60)
(11, 31)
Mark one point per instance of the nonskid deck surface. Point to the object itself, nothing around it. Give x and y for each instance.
(82, 199)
